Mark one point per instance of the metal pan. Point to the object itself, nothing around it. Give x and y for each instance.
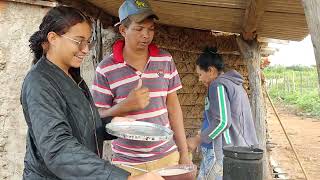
(178, 172)
(137, 130)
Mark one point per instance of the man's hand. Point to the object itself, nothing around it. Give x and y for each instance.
(138, 98)
(147, 176)
(193, 143)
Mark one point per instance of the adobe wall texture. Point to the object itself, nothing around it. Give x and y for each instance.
(185, 46)
(17, 21)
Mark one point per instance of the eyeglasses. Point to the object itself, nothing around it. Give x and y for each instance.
(81, 44)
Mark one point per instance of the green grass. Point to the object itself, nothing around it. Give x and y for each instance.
(296, 86)
(308, 103)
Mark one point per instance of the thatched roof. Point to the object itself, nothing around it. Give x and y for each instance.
(281, 19)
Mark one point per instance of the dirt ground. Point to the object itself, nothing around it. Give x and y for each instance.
(304, 134)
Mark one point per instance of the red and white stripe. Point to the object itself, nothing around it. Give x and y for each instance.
(158, 94)
(142, 155)
(150, 75)
(154, 94)
(101, 89)
(173, 74)
(148, 114)
(140, 149)
(137, 154)
(109, 68)
(161, 59)
(156, 75)
(119, 161)
(174, 89)
(124, 81)
(102, 105)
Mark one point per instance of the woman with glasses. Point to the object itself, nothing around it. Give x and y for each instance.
(65, 132)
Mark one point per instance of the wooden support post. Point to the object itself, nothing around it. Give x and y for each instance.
(250, 50)
(251, 54)
(312, 13)
(254, 12)
(97, 37)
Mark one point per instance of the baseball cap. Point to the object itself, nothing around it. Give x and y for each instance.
(137, 10)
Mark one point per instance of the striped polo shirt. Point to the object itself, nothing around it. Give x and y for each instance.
(114, 80)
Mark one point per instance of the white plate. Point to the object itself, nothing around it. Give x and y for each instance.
(137, 130)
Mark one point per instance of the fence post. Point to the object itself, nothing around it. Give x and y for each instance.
(277, 83)
(285, 83)
(289, 84)
(300, 82)
(307, 76)
(294, 84)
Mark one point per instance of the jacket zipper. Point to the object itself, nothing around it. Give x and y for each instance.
(95, 134)
(94, 123)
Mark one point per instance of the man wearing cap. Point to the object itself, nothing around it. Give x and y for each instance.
(140, 81)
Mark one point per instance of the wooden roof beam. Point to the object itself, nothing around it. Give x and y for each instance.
(270, 40)
(91, 10)
(254, 11)
(36, 2)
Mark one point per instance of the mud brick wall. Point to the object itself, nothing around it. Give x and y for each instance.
(185, 45)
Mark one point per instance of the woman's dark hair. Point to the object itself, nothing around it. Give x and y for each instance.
(209, 58)
(59, 20)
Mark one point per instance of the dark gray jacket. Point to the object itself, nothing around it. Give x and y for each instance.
(229, 114)
(65, 132)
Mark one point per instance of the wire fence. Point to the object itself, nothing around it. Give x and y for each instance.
(295, 87)
(292, 82)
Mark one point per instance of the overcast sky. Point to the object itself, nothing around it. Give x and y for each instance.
(294, 53)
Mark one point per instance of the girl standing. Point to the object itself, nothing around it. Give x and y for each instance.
(65, 132)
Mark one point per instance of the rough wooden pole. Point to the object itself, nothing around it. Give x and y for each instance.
(251, 54)
(97, 37)
(250, 51)
(253, 14)
(312, 13)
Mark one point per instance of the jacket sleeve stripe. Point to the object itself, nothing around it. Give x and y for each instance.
(226, 135)
(223, 113)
